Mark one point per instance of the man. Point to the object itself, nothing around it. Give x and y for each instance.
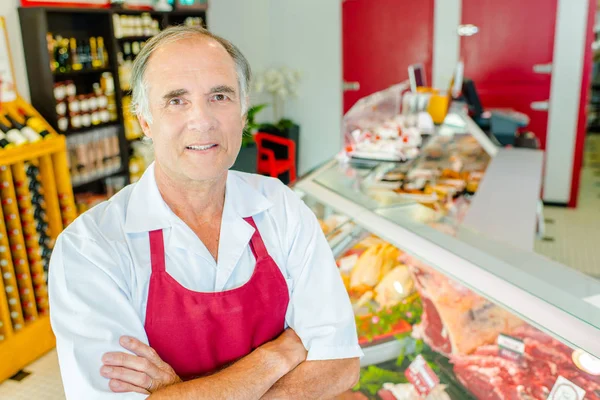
(181, 286)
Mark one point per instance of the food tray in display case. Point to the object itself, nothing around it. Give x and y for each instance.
(490, 320)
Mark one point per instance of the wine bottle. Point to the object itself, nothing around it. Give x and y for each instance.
(75, 62)
(94, 53)
(102, 53)
(4, 143)
(29, 133)
(35, 123)
(14, 136)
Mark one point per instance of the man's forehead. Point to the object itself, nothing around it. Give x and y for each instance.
(196, 51)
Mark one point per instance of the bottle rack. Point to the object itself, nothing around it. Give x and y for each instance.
(37, 204)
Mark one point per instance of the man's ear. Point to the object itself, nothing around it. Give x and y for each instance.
(145, 126)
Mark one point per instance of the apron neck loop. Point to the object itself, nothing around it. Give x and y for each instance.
(157, 251)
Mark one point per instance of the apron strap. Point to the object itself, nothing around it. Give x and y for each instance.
(256, 243)
(157, 251)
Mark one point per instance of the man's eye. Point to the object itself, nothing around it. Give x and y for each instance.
(175, 102)
(219, 97)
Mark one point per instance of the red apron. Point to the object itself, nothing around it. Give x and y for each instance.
(197, 333)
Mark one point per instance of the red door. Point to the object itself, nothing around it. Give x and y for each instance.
(381, 38)
(513, 37)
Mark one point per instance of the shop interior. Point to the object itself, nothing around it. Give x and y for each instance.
(450, 150)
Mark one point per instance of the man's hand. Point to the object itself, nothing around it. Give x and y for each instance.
(143, 373)
(289, 347)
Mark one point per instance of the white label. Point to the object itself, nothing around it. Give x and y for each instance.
(564, 389)
(347, 263)
(511, 343)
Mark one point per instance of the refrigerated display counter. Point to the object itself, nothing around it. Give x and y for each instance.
(433, 281)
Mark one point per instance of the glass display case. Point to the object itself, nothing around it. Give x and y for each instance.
(487, 319)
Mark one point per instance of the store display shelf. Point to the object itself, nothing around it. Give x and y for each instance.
(78, 182)
(135, 38)
(92, 128)
(379, 353)
(82, 72)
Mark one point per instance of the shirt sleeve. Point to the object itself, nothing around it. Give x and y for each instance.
(319, 311)
(90, 310)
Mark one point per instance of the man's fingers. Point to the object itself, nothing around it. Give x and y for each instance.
(141, 364)
(118, 386)
(141, 349)
(129, 376)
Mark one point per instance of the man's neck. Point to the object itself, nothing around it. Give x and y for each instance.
(194, 202)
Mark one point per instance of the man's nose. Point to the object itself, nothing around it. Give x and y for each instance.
(200, 117)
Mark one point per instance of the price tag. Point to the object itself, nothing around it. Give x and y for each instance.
(421, 376)
(510, 347)
(564, 389)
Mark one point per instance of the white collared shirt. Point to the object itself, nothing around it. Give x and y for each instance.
(100, 272)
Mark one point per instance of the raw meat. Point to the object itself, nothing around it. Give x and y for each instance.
(455, 320)
(491, 377)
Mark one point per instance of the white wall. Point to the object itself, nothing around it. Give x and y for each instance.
(290, 33)
(447, 16)
(565, 92)
(8, 9)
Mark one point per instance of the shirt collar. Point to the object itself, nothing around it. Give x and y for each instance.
(147, 211)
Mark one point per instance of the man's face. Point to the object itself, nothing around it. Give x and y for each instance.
(194, 99)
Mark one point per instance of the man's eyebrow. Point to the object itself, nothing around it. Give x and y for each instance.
(222, 89)
(175, 93)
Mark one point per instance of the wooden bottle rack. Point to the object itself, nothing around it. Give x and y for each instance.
(24, 319)
(36, 204)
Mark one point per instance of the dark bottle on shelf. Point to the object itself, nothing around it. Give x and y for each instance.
(34, 185)
(38, 200)
(4, 143)
(34, 123)
(102, 53)
(51, 55)
(63, 55)
(14, 136)
(88, 55)
(75, 62)
(32, 170)
(39, 214)
(29, 133)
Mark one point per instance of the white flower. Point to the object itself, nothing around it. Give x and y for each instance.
(282, 92)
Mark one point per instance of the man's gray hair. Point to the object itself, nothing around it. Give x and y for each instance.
(139, 98)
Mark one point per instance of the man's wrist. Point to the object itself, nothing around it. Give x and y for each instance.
(276, 360)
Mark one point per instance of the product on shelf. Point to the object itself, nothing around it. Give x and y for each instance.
(456, 320)
(194, 21)
(135, 25)
(133, 130)
(125, 61)
(487, 374)
(71, 54)
(94, 154)
(12, 135)
(381, 289)
(142, 157)
(85, 201)
(77, 111)
(31, 135)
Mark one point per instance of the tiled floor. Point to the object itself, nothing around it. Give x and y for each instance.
(44, 383)
(575, 234)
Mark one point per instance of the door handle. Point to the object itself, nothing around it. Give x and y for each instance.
(540, 105)
(467, 30)
(351, 86)
(542, 68)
